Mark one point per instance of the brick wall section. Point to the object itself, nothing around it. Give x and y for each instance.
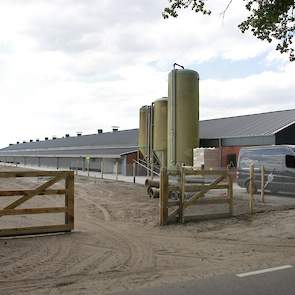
(131, 158)
(227, 151)
(140, 171)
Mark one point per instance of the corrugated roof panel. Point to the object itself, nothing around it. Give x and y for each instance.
(119, 142)
(118, 138)
(249, 125)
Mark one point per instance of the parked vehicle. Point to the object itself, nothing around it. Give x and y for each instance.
(279, 166)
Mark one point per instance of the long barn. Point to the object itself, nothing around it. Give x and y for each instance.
(77, 152)
(120, 147)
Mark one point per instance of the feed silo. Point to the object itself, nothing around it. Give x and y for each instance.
(160, 113)
(183, 116)
(144, 130)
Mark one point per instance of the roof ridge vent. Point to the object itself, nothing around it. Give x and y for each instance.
(115, 128)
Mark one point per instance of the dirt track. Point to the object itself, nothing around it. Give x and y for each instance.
(118, 245)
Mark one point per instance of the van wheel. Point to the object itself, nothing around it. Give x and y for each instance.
(248, 188)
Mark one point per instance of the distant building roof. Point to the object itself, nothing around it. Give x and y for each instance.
(109, 144)
(115, 144)
(263, 124)
(118, 138)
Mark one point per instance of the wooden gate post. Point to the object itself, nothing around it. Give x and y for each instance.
(230, 192)
(262, 184)
(182, 194)
(163, 196)
(69, 200)
(251, 189)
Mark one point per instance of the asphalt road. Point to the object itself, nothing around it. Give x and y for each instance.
(273, 282)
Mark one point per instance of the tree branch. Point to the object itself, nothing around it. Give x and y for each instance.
(226, 9)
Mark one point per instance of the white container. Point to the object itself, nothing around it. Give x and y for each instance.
(209, 158)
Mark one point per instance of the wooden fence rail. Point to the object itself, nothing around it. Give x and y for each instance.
(41, 190)
(182, 185)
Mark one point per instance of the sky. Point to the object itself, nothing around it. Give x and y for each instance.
(83, 65)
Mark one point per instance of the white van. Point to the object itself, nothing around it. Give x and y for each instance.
(279, 165)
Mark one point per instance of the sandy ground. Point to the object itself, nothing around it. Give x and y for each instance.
(118, 245)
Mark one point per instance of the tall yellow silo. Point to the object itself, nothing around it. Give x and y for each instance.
(160, 113)
(183, 116)
(143, 133)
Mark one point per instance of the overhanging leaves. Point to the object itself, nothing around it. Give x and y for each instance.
(270, 20)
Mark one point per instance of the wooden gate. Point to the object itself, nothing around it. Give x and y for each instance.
(43, 189)
(174, 210)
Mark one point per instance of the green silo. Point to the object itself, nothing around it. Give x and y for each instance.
(183, 116)
(160, 113)
(143, 133)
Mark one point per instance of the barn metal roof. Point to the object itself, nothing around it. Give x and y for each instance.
(263, 124)
(108, 139)
(112, 144)
(125, 141)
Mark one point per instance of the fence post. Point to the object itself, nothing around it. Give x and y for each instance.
(77, 165)
(83, 164)
(88, 165)
(230, 193)
(117, 169)
(251, 189)
(182, 194)
(134, 171)
(102, 164)
(69, 200)
(163, 196)
(262, 184)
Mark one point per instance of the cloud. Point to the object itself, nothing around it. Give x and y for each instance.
(69, 65)
(262, 92)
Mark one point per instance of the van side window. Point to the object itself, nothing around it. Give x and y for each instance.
(290, 161)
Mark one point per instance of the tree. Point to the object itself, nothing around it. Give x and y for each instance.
(270, 20)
